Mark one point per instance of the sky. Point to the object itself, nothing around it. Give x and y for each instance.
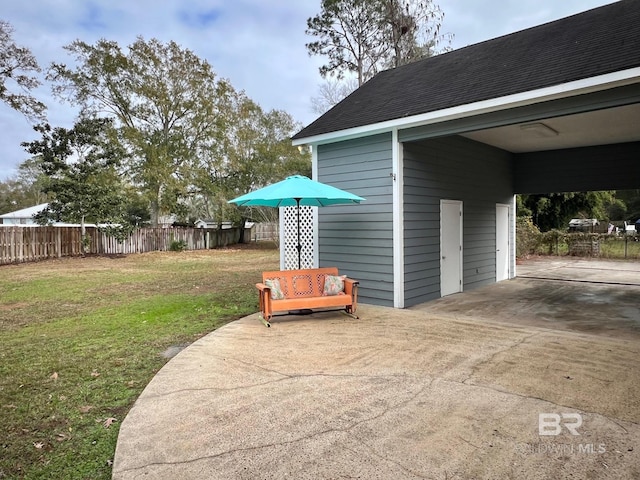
(258, 45)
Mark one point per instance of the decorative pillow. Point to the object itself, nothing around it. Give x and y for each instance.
(334, 285)
(276, 289)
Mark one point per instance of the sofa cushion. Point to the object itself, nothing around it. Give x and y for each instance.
(334, 285)
(276, 289)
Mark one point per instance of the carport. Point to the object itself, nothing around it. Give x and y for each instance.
(440, 148)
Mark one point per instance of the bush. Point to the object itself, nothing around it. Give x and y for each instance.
(552, 240)
(584, 244)
(178, 245)
(528, 237)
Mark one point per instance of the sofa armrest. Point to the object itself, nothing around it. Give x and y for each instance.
(351, 289)
(264, 299)
(350, 285)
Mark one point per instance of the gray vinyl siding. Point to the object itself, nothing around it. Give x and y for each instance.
(358, 239)
(604, 167)
(452, 168)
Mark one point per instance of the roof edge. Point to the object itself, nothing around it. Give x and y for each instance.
(563, 90)
(24, 212)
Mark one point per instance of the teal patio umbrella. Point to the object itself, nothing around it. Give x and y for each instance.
(295, 191)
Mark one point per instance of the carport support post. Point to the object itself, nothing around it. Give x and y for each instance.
(397, 180)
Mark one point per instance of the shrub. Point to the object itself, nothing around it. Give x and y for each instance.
(552, 240)
(178, 245)
(583, 244)
(527, 237)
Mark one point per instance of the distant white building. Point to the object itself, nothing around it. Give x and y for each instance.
(583, 224)
(211, 223)
(25, 217)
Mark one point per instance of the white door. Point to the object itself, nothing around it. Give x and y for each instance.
(502, 242)
(450, 247)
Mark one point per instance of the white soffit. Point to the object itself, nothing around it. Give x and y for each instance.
(601, 127)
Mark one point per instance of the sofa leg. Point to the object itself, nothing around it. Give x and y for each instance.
(350, 314)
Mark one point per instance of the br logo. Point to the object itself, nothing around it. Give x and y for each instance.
(552, 423)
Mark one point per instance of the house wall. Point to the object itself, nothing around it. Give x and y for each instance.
(17, 221)
(453, 168)
(358, 239)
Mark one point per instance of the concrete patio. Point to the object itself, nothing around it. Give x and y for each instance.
(452, 389)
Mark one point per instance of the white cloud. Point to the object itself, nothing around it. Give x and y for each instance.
(472, 21)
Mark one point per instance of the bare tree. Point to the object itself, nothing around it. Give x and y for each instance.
(331, 92)
(412, 30)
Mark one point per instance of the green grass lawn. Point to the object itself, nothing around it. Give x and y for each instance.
(80, 338)
(620, 248)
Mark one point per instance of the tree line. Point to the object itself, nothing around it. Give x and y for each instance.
(158, 133)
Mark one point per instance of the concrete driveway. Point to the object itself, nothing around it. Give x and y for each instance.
(398, 394)
(566, 293)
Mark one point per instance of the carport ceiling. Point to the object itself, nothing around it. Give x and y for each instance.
(601, 127)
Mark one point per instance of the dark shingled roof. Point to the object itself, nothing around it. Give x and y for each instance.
(595, 42)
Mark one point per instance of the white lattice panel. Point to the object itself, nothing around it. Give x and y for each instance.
(289, 237)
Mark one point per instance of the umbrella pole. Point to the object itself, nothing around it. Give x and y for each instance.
(299, 247)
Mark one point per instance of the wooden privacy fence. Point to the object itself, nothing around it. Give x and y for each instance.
(266, 232)
(32, 243)
(26, 244)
